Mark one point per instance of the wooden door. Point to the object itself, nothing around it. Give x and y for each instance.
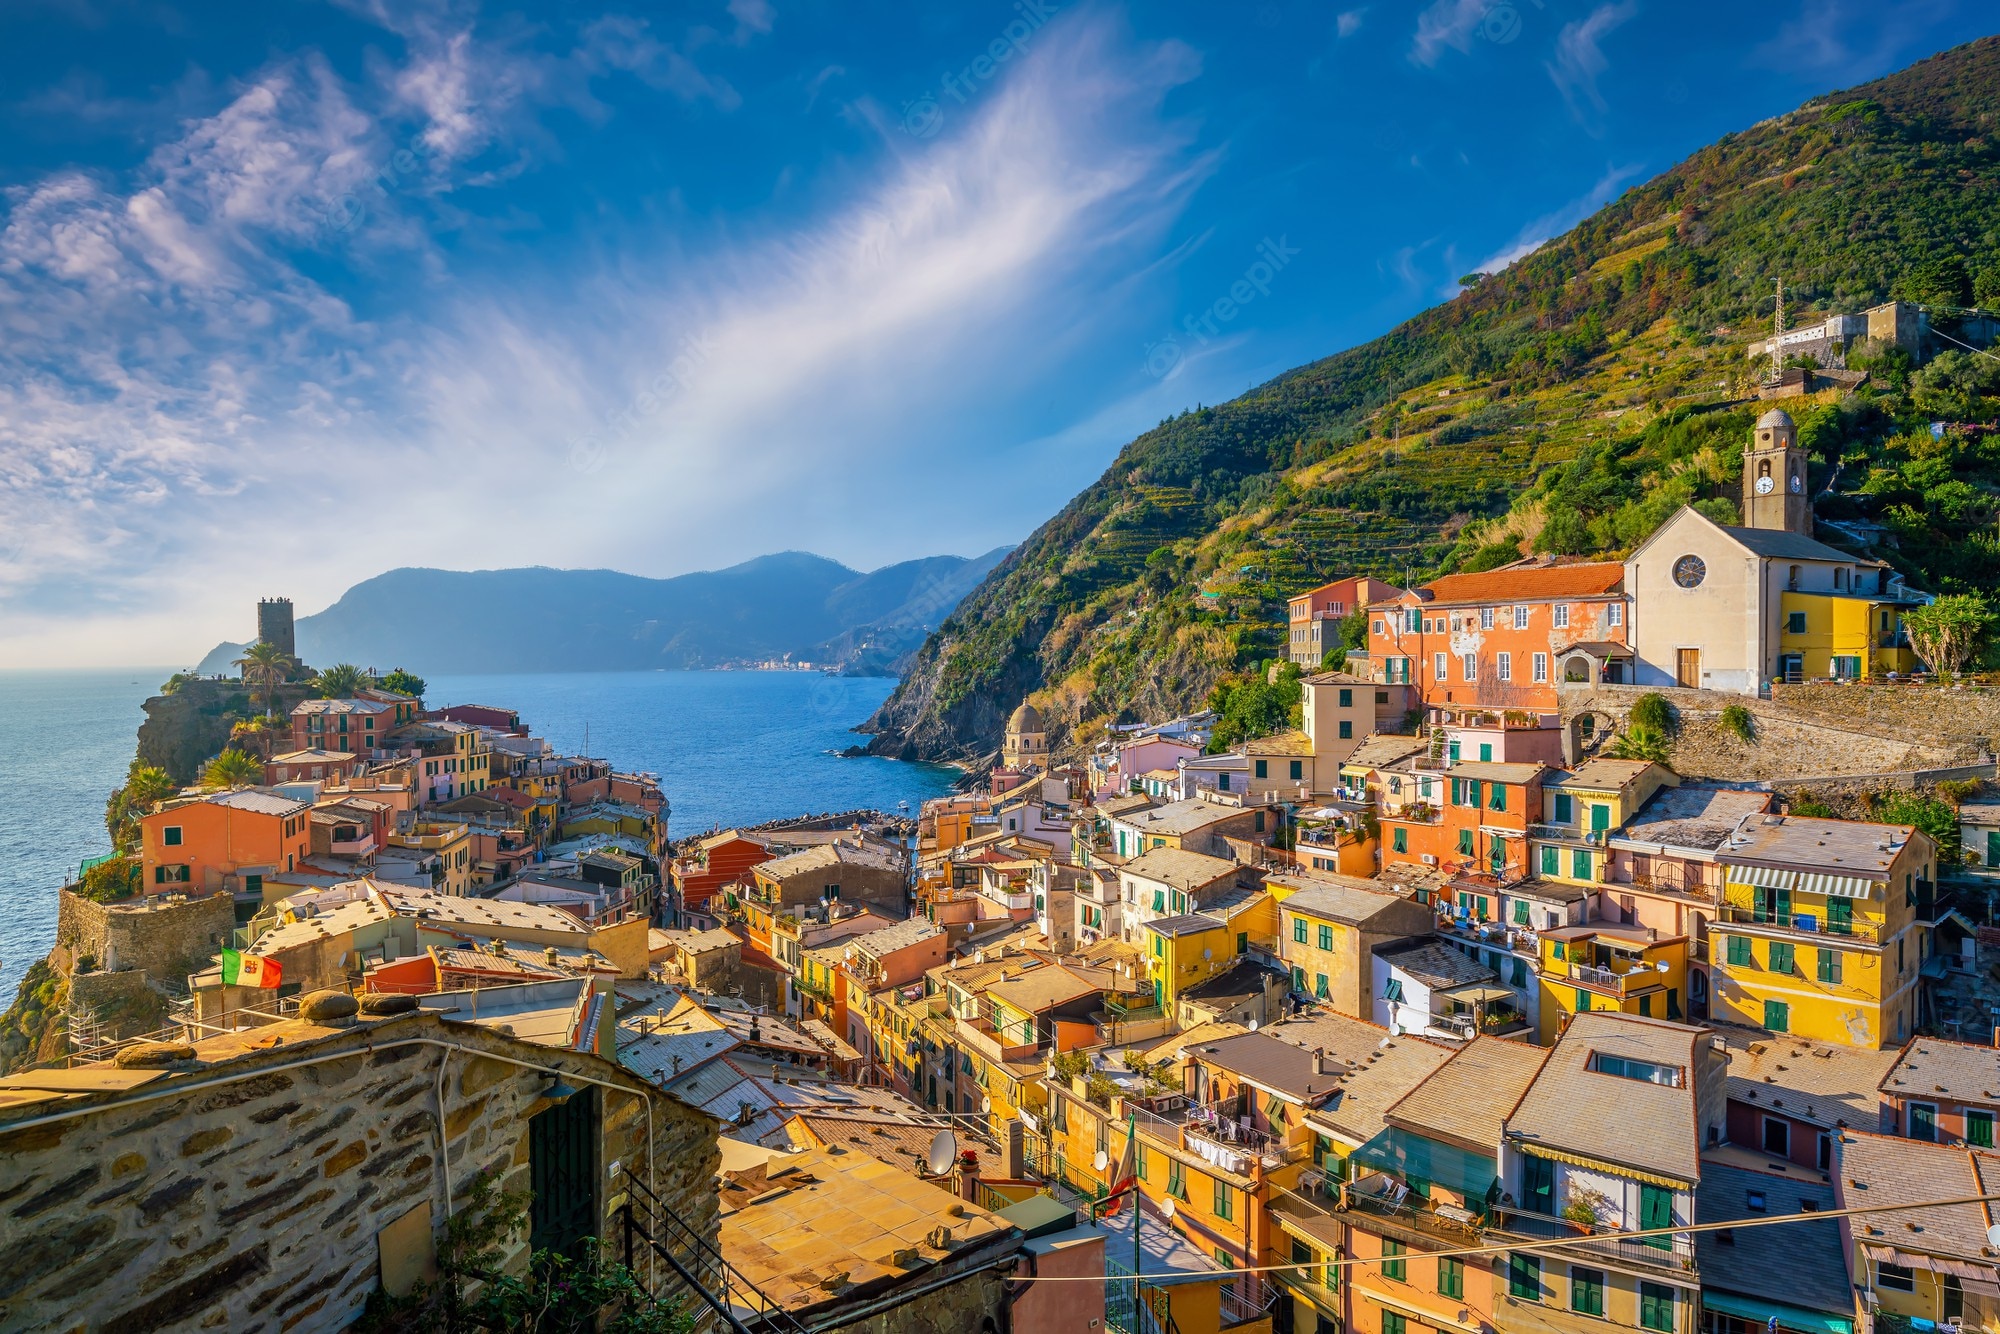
(1687, 667)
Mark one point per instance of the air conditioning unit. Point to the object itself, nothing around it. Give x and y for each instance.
(1430, 859)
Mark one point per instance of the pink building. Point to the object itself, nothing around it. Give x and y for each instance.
(1316, 615)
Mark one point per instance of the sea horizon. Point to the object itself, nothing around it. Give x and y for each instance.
(731, 746)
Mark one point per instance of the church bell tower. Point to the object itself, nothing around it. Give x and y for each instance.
(1774, 477)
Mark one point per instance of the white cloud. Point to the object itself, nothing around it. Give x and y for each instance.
(1580, 60)
(1447, 23)
(1349, 22)
(186, 420)
(1542, 230)
(617, 42)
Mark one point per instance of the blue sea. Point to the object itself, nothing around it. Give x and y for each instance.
(729, 747)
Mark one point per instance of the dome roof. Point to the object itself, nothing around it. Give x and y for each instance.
(1027, 718)
(1777, 419)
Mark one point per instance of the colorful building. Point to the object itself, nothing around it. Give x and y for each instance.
(1502, 638)
(223, 840)
(1824, 928)
(1315, 616)
(1329, 928)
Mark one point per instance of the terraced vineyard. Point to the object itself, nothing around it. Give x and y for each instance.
(1568, 404)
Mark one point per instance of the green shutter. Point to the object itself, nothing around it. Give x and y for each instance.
(1565, 808)
(1777, 1016)
(1739, 951)
(1829, 966)
(1551, 859)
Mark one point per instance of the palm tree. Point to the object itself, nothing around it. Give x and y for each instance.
(232, 768)
(264, 665)
(340, 681)
(145, 786)
(254, 734)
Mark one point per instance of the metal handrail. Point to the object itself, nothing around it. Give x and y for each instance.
(733, 1280)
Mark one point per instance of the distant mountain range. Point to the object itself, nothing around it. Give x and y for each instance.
(792, 606)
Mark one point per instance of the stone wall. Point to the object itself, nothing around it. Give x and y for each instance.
(1835, 732)
(266, 1191)
(125, 1004)
(1953, 718)
(164, 940)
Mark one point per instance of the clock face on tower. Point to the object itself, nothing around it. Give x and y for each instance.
(1763, 486)
(1689, 571)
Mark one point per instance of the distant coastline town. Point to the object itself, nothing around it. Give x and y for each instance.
(1443, 1002)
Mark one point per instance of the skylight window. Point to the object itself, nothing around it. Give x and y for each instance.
(1626, 1067)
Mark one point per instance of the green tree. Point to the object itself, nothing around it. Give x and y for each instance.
(1928, 815)
(1565, 534)
(232, 768)
(1957, 387)
(108, 881)
(264, 666)
(407, 683)
(340, 681)
(1947, 634)
(1258, 706)
(145, 786)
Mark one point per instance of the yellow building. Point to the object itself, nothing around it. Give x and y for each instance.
(1328, 929)
(1185, 951)
(1604, 966)
(451, 844)
(1842, 636)
(1581, 810)
(1823, 932)
(1941, 1273)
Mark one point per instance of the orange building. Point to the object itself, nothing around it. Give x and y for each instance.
(1316, 614)
(1503, 638)
(225, 840)
(1474, 820)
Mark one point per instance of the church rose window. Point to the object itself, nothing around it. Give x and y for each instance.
(1689, 571)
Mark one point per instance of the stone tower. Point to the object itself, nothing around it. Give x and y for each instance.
(1774, 477)
(1027, 740)
(274, 625)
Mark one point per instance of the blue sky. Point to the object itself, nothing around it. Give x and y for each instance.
(293, 293)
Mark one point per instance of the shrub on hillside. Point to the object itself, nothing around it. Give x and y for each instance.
(1736, 721)
(1652, 712)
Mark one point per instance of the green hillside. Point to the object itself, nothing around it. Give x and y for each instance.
(1569, 403)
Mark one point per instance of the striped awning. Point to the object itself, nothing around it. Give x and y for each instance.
(1836, 886)
(1599, 1165)
(1805, 882)
(1764, 877)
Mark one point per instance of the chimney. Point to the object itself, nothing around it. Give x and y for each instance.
(967, 1174)
(1319, 1060)
(1014, 1154)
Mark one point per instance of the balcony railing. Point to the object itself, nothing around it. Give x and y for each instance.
(1565, 833)
(1675, 1252)
(1801, 923)
(1604, 977)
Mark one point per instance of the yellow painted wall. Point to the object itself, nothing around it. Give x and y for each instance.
(1561, 995)
(1841, 626)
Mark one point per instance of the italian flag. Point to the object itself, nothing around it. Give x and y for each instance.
(249, 970)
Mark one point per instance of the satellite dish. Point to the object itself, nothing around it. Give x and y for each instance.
(1253, 1025)
(986, 1104)
(944, 1152)
(1167, 1206)
(1661, 966)
(1102, 1161)
(1993, 1236)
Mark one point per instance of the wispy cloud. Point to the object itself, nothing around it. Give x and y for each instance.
(1554, 223)
(1580, 58)
(1447, 24)
(1349, 22)
(1842, 39)
(176, 392)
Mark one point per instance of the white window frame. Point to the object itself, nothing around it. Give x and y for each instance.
(1615, 614)
(1541, 667)
(1486, 618)
(1520, 618)
(1504, 666)
(1469, 666)
(1438, 667)
(1562, 615)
